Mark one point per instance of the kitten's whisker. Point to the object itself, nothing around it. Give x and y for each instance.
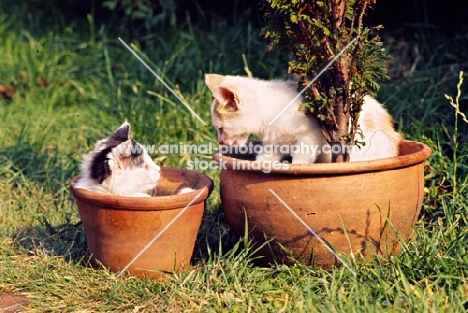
(163, 82)
(312, 81)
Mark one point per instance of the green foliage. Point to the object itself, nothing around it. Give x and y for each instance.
(95, 84)
(315, 32)
(455, 103)
(151, 13)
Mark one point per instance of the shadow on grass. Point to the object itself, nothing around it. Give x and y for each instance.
(53, 226)
(35, 178)
(68, 240)
(214, 237)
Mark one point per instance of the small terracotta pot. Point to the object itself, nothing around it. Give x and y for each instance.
(359, 208)
(118, 228)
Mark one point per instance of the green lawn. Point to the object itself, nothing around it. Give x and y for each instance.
(75, 82)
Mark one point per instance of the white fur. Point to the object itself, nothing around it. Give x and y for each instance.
(244, 106)
(132, 182)
(126, 179)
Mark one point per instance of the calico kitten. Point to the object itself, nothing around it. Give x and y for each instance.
(118, 165)
(244, 106)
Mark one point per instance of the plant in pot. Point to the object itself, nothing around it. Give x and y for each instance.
(361, 208)
(138, 218)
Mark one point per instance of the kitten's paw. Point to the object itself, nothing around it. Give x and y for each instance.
(303, 158)
(264, 158)
(185, 190)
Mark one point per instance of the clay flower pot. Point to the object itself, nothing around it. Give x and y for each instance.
(119, 228)
(361, 208)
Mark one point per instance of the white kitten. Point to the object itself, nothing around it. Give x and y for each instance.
(244, 106)
(119, 166)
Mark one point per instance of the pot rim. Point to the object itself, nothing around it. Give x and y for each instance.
(154, 203)
(420, 152)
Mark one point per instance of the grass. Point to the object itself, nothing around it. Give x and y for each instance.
(75, 82)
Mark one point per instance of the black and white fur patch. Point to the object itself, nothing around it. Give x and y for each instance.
(119, 165)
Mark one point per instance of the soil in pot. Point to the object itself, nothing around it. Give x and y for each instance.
(361, 208)
(119, 228)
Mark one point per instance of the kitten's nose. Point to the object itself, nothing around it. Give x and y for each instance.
(155, 167)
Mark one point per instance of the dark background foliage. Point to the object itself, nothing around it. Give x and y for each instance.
(408, 16)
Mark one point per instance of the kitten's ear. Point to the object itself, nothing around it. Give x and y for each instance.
(227, 97)
(213, 80)
(122, 133)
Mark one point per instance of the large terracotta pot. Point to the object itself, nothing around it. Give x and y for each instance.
(119, 228)
(359, 208)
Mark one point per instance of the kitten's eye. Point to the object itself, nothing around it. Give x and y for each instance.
(220, 130)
